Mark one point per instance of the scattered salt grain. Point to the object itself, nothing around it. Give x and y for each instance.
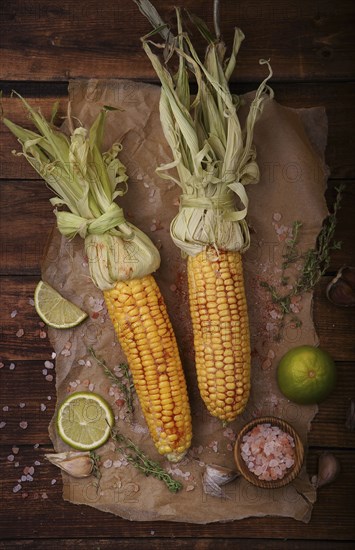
(108, 463)
(54, 355)
(16, 464)
(12, 366)
(43, 407)
(276, 217)
(53, 482)
(31, 301)
(2, 425)
(23, 424)
(11, 458)
(44, 495)
(42, 334)
(17, 488)
(36, 445)
(49, 377)
(22, 405)
(91, 387)
(31, 470)
(49, 397)
(44, 372)
(15, 450)
(5, 408)
(1, 365)
(20, 333)
(13, 313)
(29, 477)
(49, 365)
(37, 463)
(66, 352)
(24, 495)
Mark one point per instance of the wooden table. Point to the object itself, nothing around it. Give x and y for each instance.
(44, 44)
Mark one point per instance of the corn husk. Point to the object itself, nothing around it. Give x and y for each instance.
(214, 157)
(86, 183)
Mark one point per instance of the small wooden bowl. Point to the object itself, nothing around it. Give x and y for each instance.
(291, 472)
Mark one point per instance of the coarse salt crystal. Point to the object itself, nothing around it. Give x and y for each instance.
(44, 495)
(23, 424)
(108, 463)
(29, 477)
(31, 301)
(49, 365)
(44, 372)
(11, 458)
(13, 313)
(17, 488)
(91, 387)
(54, 355)
(22, 405)
(37, 463)
(36, 445)
(15, 450)
(5, 408)
(43, 407)
(42, 334)
(2, 424)
(20, 333)
(49, 397)
(53, 482)
(2, 365)
(49, 377)
(12, 366)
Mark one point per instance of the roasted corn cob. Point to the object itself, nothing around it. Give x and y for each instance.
(86, 182)
(140, 318)
(214, 158)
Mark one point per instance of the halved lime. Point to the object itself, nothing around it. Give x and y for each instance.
(306, 375)
(84, 421)
(55, 310)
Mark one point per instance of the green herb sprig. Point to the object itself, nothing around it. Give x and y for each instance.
(316, 261)
(125, 384)
(142, 462)
(96, 472)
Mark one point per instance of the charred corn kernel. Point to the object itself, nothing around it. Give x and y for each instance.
(221, 334)
(146, 336)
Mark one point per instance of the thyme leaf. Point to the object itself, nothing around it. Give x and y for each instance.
(142, 462)
(96, 472)
(125, 383)
(315, 263)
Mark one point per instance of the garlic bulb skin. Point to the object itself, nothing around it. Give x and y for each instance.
(76, 464)
(215, 477)
(328, 469)
(341, 290)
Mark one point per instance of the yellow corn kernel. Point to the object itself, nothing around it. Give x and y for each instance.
(221, 333)
(140, 318)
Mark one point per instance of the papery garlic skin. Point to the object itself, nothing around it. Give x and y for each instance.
(215, 477)
(328, 469)
(76, 464)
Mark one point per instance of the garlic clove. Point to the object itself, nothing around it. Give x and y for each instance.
(215, 477)
(341, 290)
(76, 464)
(328, 470)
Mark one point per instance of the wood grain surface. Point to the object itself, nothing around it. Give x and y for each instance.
(311, 46)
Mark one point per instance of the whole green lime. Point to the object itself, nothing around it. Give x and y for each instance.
(306, 375)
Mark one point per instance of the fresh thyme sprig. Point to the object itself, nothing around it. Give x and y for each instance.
(316, 261)
(142, 462)
(125, 386)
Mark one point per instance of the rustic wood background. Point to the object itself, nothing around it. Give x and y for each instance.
(45, 43)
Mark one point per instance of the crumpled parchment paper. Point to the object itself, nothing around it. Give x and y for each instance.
(290, 145)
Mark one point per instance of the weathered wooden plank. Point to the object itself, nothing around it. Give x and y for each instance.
(191, 543)
(34, 403)
(26, 220)
(335, 326)
(336, 98)
(42, 41)
(36, 515)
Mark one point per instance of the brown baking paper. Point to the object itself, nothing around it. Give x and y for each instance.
(290, 145)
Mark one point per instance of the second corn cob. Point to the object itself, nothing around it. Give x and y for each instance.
(214, 158)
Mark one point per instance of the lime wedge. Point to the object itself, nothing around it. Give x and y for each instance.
(84, 421)
(55, 310)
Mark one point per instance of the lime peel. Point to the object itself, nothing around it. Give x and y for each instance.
(84, 421)
(55, 310)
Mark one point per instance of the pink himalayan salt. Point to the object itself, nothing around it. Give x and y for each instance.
(268, 452)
